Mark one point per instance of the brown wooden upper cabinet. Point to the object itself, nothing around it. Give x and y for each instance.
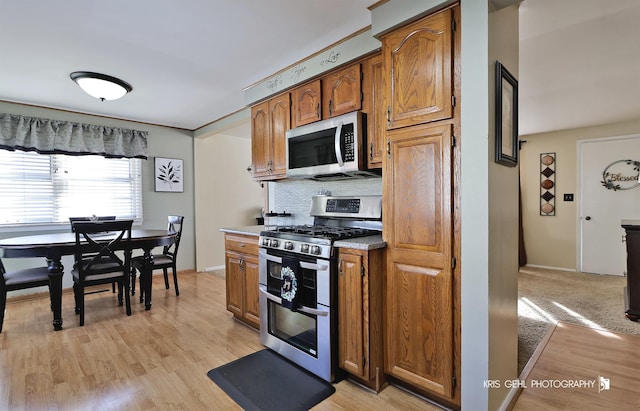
(372, 76)
(341, 91)
(269, 122)
(418, 63)
(306, 103)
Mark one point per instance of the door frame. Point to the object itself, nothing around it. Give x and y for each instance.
(579, 197)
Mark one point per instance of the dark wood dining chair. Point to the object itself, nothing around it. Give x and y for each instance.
(96, 260)
(94, 218)
(162, 261)
(20, 280)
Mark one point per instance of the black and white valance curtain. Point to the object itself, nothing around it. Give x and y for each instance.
(63, 137)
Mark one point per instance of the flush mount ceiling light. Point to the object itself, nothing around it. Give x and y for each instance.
(101, 86)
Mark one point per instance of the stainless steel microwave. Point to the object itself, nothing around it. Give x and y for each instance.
(328, 149)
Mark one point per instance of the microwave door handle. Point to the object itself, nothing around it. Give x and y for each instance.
(304, 309)
(337, 144)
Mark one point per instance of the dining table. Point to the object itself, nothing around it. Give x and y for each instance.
(54, 246)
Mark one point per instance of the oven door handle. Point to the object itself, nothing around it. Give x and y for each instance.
(267, 256)
(315, 267)
(302, 308)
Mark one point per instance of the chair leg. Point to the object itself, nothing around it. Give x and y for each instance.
(166, 278)
(120, 292)
(133, 281)
(76, 297)
(127, 296)
(175, 280)
(3, 305)
(81, 300)
(113, 287)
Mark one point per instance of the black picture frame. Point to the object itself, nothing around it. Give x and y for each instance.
(168, 175)
(506, 111)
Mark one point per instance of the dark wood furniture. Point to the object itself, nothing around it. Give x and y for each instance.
(96, 261)
(632, 291)
(19, 280)
(165, 260)
(54, 246)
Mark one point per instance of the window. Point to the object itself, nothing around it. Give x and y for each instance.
(48, 189)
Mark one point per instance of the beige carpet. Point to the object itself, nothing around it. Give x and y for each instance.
(547, 296)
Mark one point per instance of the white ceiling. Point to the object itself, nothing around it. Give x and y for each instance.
(189, 61)
(579, 63)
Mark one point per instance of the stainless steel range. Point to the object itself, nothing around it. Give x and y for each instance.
(298, 283)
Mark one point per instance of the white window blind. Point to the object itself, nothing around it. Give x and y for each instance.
(48, 189)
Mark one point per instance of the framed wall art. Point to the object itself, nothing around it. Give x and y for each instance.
(506, 117)
(548, 184)
(168, 174)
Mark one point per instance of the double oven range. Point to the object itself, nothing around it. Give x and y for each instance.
(298, 271)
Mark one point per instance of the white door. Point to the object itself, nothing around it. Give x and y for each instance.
(602, 249)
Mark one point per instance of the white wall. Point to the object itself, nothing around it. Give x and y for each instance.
(553, 241)
(161, 142)
(503, 220)
(225, 194)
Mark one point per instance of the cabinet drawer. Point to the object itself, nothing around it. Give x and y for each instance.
(242, 244)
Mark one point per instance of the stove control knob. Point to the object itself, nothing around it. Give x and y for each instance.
(315, 250)
(265, 242)
(304, 248)
(288, 245)
(275, 243)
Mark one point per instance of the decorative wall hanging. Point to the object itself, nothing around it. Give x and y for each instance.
(168, 175)
(506, 110)
(548, 184)
(621, 175)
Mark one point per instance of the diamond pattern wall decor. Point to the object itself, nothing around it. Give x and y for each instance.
(548, 184)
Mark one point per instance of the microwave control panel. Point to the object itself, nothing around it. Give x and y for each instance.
(348, 143)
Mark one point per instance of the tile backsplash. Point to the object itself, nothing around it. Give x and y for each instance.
(294, 196)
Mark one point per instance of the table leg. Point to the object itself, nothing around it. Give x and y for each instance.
(56, 269)
(146, 277)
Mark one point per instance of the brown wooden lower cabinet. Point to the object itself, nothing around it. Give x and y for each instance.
(241, 266)
(360, 315)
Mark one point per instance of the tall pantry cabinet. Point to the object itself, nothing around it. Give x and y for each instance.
(421, 292)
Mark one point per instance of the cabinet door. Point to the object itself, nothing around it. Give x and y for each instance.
(372, 69)
(305, 101)
(280, 122)
(251, 301)
(260, 140)
(234, 283)
(350, 314)
(418, 65)
(341, 91)
(418, 299)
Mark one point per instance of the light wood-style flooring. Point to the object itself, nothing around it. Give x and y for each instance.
(576, 353)
(152, 360)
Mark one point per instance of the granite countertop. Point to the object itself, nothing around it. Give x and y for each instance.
(245, 230)
(362, 243)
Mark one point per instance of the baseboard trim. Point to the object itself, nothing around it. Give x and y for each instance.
(215, 268)
(510, 400)
(545, 267)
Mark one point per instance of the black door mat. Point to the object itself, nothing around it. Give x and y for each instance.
(266, 381)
